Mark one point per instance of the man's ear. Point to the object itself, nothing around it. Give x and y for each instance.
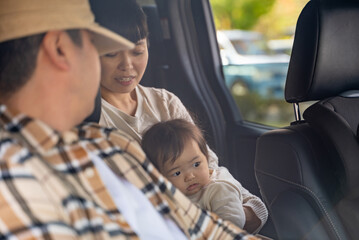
(56, 47)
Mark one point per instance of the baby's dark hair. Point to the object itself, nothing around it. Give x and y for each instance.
(165, 141)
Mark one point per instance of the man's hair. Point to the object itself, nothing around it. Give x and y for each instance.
(165, 141)
(124, 17)
(18, 61)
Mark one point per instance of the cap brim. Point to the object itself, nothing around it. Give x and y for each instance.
(107, 41)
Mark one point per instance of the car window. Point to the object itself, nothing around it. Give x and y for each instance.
(255, 42)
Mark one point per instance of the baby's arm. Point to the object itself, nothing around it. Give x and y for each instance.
(224, 200)
(251, 203)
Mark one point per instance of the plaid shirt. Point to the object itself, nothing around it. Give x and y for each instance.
(50, 189)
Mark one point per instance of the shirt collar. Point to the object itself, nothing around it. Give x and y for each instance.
(41, 136)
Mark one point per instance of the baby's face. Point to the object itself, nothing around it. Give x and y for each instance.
(189, 173)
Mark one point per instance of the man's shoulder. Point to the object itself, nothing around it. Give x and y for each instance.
(106, 137)
(88, 131)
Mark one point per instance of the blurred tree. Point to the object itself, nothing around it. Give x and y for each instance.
(281, 20)
(239, 14)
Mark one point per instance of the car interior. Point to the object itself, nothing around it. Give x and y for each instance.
(306, 173)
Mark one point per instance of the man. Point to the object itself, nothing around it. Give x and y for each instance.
(57, 182)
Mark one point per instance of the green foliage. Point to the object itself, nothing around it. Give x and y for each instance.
(239, 14)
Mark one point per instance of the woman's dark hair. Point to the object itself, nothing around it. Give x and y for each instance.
(165, 141)
(124, 17)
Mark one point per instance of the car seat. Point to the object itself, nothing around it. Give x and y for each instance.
(308, 173)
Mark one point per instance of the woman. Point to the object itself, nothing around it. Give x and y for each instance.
(128, 106)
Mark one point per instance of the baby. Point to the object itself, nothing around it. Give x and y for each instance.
(179, 151)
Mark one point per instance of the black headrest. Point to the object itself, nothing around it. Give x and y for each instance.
(325, 55)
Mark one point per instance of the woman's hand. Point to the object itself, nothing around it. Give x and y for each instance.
(252, 221)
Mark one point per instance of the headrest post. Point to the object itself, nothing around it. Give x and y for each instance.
(296, 112)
